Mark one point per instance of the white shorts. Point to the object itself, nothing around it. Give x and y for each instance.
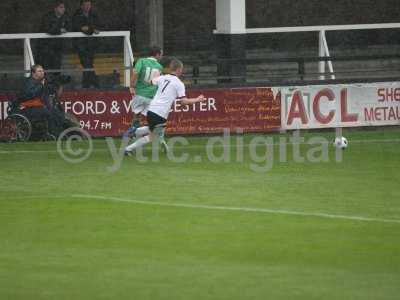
(140, 104)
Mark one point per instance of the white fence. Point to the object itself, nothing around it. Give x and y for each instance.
(29, 59)
(323, 45)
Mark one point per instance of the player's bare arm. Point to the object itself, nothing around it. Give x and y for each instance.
(186, 101)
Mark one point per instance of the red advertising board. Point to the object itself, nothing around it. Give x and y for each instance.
(250, 109)
(109, 113)
(101, 113)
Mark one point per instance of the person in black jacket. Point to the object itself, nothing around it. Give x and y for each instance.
(86, 20)
(55, 22)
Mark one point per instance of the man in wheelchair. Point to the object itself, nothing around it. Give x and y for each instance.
(38, 102)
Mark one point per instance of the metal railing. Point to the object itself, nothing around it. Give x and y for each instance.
(323, 45)
(29, 59)
(297, 70)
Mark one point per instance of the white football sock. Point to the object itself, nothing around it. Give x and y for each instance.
(141, 131)
(139, 143)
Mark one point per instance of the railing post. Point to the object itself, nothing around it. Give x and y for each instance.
(321, 53)
(301, 68)
(128, 60)
(326, 49)
(28, 56)
(195, 72)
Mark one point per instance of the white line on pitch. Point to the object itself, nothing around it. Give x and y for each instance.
(242, 209)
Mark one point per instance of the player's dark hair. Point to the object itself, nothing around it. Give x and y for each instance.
(155, 50)
(165, 61)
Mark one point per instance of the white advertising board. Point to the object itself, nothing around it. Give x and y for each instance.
(344, 105)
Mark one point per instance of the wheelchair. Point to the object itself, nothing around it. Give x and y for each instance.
(17, 127)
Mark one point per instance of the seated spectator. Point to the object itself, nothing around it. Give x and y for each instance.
(86, 20)
(55, 22)
(33, 101)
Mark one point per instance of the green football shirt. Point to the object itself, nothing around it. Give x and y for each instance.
(146, 68)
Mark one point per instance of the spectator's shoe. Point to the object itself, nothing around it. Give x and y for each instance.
(130, 133)
(164, 147)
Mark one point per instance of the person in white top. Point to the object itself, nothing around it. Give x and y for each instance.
(170, 88)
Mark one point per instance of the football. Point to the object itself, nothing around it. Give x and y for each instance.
(340, 142)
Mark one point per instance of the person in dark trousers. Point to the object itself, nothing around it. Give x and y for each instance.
(33, 99)
(86, 20)
(56, 22)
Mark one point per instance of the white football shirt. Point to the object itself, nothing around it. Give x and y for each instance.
(170, 88)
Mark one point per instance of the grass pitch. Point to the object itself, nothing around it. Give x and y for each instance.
(201, 229)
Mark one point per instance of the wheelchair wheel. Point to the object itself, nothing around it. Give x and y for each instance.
(22, 127)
